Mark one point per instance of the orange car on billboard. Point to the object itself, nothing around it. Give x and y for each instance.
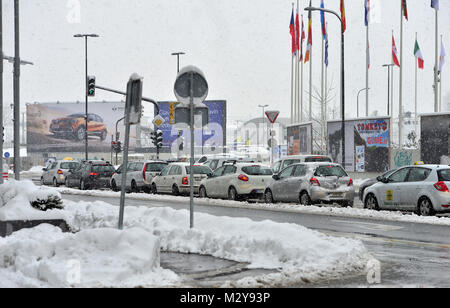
(74, 126)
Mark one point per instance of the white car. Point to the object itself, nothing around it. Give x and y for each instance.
(139, 175)
(175, 179)
(237, 181)
(422, 189)
(297, 159)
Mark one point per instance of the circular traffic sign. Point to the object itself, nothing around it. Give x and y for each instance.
(7, 155)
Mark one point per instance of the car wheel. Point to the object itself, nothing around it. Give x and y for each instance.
(83, 185)
(305, 199)
(66, 182)
(426, 207)
(114, 186)
(42, 181)
(175, 190)
(80, 134)
(147, 190)
(347, 204)
(134, 188)
(202, 192)
(371, 203)
(55, 182)
(154, 189)
(103, 135)
(232, 194)
(268, 197)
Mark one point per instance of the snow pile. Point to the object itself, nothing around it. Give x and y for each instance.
(35, 170)
(16, 199)
(297, 253)
(46, 257)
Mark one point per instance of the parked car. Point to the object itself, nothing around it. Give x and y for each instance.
(237, 181)
(312, 183)
(175, 179)
(139, 175)
(370, 182)
(91, 175)
(422, 189)
(74, 126)
(218, 161)
(56, 173)
(297, 159)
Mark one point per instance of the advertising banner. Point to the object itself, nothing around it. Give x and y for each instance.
(209, 140)
(366, 143)
(61, 127)
(435, 135)
(299, 139)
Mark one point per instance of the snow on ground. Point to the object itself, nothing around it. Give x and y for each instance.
(319, 210)
(46, 257)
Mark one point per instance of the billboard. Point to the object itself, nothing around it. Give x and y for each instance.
(209, 139)
(435, 135)
(299, 139)
(366, 143)
(60, 127)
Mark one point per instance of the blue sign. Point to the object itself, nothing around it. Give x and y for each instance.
(7, 155)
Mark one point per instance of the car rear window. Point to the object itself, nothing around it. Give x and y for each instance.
(257, 170)
(318, 159)
(199, 170)
(69, 165)
(155, 167)
(330, 170)
(444, 175)
(103, 168)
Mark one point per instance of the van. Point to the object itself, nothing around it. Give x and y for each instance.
(297, 159)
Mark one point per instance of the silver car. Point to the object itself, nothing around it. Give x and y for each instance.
(56, 173)
(175, 179)
(139, 175)
(422, 189)
(312, 183)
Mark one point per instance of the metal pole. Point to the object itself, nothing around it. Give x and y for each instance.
(117, 139)
(343, 96)
(191, 180)
(367, 70)
(16, 93)
(400, 102)
(389, 91)
(87, 99)
(1, 91)
(436, 68)
(125, 166)
(415, 92)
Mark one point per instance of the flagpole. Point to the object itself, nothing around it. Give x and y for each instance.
(400, 110)
(301, 82)
(292, 75)
(367, 69)
(415, 97)
(297, 57)
(321, 89)
(436, 68)
(440, 85)
(392, 88)
(310, 84)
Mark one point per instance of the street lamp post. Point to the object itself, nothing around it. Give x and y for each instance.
(312, 9)
(357, 101)
(86, 36)
(264, 126)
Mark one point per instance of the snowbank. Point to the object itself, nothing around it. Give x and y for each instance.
(285, 207)
(16, 198)
(46, 257)
(299, 254)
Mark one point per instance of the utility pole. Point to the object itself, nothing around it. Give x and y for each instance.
(1, 91)
(16, 92)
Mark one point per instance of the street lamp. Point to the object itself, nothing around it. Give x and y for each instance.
(264, 126)
(312, 9)
(357, 101)
(86, 36)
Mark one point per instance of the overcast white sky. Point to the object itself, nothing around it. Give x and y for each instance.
(243, 46)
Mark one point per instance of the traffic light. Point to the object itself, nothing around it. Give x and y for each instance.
(3, 134)
(90, 86)
(116, 147)
(119, 147)
(153, 138)
(159, 139)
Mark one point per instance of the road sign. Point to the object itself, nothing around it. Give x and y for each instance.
(272, 143)
(272, 116)
(158, 121)
(7, 155)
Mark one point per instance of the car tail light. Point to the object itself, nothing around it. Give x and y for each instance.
(350, 183)
(143, 173)
(243, 178)
(441, 186)
(93, 174)
(59, 171)
(314, 182)
(185, 181)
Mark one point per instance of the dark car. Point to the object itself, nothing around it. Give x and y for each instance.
(370, 182)
(91, 175)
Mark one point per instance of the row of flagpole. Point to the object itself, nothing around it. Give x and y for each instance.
(298, 35)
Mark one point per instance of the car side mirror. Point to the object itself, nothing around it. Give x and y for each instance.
(276, 177)
(44, 169)
(385, 180)
(380, 179)
(210, 175)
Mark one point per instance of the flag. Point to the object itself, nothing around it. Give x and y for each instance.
(394, 53)
(442, 58)
(302, 38)
(344, 21)
(435, 4)
(309, 44)
(292, 31)
(418, 55)
(322, 20)
(367, 12)
(405, 9)
(297, 33)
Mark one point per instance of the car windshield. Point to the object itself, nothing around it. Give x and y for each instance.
(257, 170)
(77, 115)
(199, 170)
(318, 159)
(444, 175)
(70, 165)
(103, 168)
(156, 167)
(330, 170)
